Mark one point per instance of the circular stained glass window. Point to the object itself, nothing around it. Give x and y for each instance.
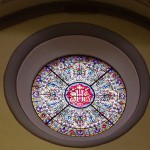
(79, 95)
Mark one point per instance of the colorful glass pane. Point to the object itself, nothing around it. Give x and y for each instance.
(78, 95)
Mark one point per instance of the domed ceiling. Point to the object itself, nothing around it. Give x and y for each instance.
(132, 23)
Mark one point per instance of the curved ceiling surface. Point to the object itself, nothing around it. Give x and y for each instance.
(139, 6)
(7, 36)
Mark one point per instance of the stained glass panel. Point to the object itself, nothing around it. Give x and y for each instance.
(79, 95)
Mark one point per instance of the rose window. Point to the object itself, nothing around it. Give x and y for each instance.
(78, 95)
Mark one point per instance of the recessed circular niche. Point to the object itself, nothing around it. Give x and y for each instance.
(77, 84)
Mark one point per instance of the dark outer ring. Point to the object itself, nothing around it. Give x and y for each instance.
(73, 7)
(74, 29)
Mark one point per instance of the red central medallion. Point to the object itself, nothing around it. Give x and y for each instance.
(79, 95)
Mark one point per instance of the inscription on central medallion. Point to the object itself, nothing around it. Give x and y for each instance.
(79, 95)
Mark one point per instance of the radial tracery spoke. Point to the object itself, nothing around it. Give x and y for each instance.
(101, 77)
(47, 82)
(57, 114)
(59, 77)
(102, 115)
(47, 105)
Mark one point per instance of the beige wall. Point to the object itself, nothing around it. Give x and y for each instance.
(13, 136)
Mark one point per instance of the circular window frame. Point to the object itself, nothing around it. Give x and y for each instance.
(59, 47)
(23, 92)
(67, 29)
